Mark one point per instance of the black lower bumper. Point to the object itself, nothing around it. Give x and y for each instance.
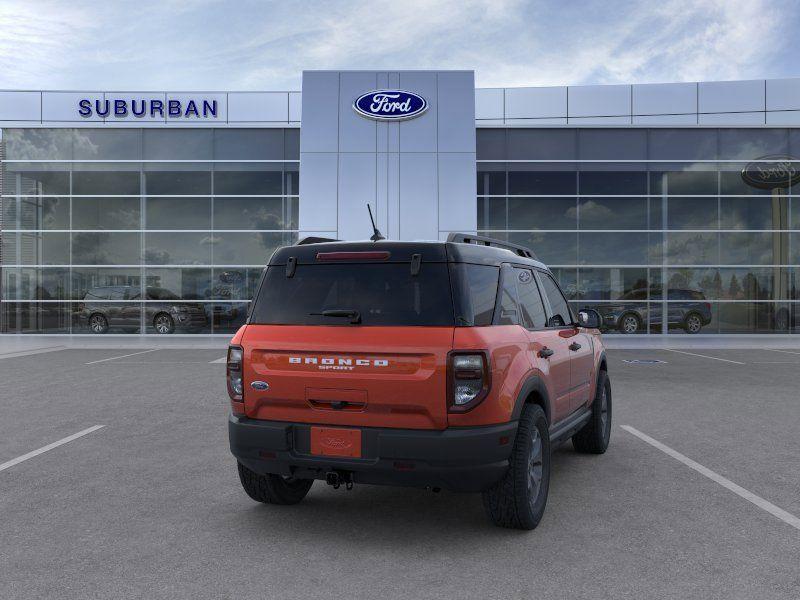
(457, 459)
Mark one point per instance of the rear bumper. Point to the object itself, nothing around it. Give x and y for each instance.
(458, 459)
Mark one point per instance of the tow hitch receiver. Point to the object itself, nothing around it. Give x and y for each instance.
(337, 478)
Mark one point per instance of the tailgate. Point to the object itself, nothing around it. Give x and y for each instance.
(344, 375)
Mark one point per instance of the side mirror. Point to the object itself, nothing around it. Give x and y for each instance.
(589, 318)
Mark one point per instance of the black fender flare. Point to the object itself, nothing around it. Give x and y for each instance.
(534, 383)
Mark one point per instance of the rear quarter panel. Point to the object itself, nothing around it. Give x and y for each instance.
(507, 346)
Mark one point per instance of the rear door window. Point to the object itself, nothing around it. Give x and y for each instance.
(382, 294)
(530, 300)
(560, 315)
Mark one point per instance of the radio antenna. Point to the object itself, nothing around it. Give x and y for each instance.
(376, 235)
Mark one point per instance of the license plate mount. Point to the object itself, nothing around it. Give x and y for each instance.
(335, 441)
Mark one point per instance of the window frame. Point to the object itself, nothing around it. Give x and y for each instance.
(545, 304)
(539, 273)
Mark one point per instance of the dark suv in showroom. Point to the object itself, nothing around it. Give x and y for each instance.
(105, 307)
(691, 314)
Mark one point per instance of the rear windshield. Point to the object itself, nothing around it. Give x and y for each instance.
(382, 294)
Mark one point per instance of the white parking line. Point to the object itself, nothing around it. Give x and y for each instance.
(94, 362)
(736, 362)
(784, 351)
(716, 477)
(224, 359)
(43, 449)
(20, 353)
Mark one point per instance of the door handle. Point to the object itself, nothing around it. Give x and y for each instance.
(546, 352)
(574, 346)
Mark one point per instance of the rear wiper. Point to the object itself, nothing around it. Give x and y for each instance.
(353, 315)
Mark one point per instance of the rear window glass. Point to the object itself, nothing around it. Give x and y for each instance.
(382, 294)
(475, 292)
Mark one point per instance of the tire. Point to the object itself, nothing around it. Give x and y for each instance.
(595, 435)
(629, 323)
(163, 323)
(98, 323)
(693, 323)
(273, 489)
(518, 500)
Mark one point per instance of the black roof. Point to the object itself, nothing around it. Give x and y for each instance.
(433, 251)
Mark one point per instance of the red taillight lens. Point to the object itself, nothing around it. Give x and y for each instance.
(234, 373)
(468, 379)
(371, 255)
(708, 306)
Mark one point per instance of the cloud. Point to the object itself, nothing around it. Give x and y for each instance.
(211, 44)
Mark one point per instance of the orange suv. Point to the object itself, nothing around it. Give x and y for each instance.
(455, 365)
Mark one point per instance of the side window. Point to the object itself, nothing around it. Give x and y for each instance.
(530, 301)
(509, 314)
(560, 316)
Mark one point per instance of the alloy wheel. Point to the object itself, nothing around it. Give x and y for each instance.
(630, 324)
(535, 466)
(163, 324)
(97, 324)
(693, 324)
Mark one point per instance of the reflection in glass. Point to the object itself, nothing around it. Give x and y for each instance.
(613, 248)
(105, 213)
(33, 317)
(106, 248)
(37, 213)
(186, 284)
(248, 248)
(251, 213)
(177, 213)
(86, 281)
(179, 248)
(112, 183)
(542, 213)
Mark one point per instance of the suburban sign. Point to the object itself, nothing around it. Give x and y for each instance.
(149, 107)
(390, 105)
(770, 172)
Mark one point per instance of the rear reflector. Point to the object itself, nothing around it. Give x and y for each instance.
(370, 255)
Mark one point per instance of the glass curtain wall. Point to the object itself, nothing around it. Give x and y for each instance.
(141, 230)
(657, 229)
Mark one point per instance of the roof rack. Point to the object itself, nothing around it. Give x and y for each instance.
(479, 240)
(314, 240)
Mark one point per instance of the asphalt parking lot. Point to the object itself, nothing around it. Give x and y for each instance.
(150, 506)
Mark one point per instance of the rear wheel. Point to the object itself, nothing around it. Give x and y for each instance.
(518, 500)
(693, 323)
(163, 323)
(98, 323)
(273, 489)
(629, 323)
(595, 435)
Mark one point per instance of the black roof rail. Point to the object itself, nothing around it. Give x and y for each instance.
(314, 240)
(468, 238)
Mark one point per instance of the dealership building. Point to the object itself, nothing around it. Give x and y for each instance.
(667, 207)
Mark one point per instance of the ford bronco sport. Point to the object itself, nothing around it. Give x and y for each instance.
(455, 365)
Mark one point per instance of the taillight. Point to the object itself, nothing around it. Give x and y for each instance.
(235, 385)
(467, 378)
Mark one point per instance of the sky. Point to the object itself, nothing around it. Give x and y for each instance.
(207, 45)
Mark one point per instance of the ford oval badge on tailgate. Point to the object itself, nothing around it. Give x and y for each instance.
(390, 105)
(259, 385)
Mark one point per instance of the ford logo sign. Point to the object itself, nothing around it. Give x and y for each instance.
(390, 105)
(770, 172)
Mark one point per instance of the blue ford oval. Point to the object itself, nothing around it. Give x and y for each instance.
(390, 105)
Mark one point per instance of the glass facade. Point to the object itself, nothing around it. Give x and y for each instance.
(161, 230)
(654, 228)
(141, 230)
